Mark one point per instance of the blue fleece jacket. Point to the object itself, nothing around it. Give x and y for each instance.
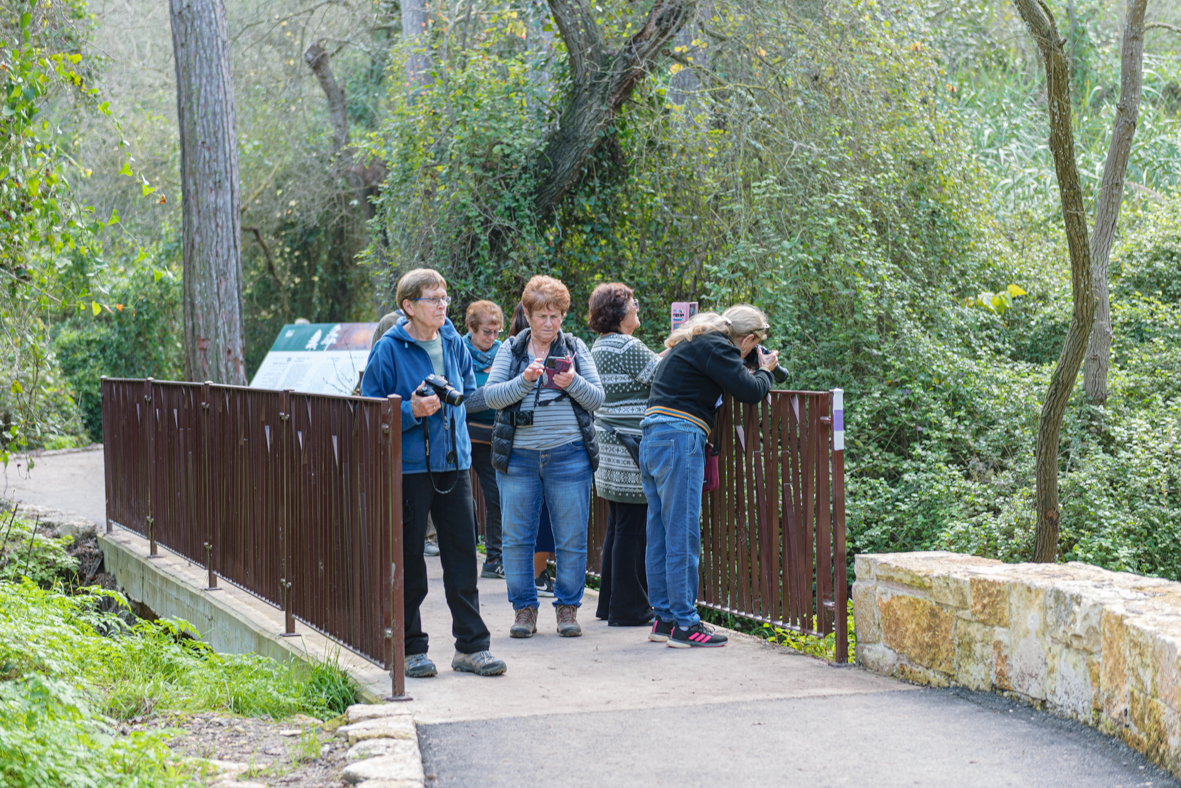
(398, 365)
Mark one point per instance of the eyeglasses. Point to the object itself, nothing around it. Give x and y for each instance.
(436, 300)
(636, 304)
(489, 332)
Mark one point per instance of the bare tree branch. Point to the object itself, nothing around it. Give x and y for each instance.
(1040, 22)
(1111, 197)
(602, 83)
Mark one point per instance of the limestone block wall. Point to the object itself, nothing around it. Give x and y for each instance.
(1097, 646)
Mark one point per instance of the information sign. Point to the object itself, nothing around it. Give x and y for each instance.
(316, 358)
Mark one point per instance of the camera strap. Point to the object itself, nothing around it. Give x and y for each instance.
(452, 456)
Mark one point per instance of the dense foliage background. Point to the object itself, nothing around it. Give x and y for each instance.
(872, 173)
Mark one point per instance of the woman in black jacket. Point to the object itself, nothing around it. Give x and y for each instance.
(704, 361)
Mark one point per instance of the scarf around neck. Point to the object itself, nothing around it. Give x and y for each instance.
(481, 359)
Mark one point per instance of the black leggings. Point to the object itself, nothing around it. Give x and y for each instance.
(623, 593)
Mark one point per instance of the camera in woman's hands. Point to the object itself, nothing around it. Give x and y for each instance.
(752, 362)
(437, 384)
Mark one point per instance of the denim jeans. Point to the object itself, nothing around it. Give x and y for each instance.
(562, 476)
(672, 470)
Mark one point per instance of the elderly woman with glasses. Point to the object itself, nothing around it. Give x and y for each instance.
(485, 324)
(545, 387)
(627, 367)
(436, 457)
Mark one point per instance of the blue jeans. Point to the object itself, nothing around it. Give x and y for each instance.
(672, 470)
(562, 476)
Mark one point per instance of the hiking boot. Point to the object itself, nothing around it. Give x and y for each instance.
(482, 663)
(525, 624)
(568, 621)
(493, 569)
(696, 636)
(419, 666)
(545, 584)
(661, 630)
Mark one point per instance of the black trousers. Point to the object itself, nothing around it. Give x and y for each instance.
(623, 592)
(482, 464)
(455, 521)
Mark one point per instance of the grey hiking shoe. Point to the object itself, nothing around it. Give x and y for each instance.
(568, 621)
(482, 663)
(419, 666)
(525, 624)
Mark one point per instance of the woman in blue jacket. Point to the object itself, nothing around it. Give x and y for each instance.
(436, 457)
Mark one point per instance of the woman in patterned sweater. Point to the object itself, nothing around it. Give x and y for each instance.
(626, 368)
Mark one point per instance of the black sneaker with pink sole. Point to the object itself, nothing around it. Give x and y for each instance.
(696, 636)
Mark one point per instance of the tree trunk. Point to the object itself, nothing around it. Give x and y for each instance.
(602, 82)
(214, 337)
(1111, 197)
(1041, 25)
(418, 60)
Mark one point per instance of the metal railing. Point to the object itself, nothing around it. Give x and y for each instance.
(296, 498)
(773, 533)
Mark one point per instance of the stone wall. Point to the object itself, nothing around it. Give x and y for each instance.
(1097, 646)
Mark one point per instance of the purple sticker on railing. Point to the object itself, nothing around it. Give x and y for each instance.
(838, 420)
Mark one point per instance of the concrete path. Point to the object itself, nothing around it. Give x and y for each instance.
(610, 708)
(70, 481)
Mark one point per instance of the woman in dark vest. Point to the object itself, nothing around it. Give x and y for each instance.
(545, 387)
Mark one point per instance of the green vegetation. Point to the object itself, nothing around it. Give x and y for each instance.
(73, 666)
(872, 173)
(812, 645)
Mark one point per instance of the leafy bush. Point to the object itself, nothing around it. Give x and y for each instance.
(134, 334)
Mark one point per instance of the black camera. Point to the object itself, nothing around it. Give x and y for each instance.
(522, 418)
(752, 362)
(437, 384)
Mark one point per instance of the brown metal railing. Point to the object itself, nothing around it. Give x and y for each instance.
(773, 533)
(294, 497)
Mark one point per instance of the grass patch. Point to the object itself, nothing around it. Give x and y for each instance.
(72, 666)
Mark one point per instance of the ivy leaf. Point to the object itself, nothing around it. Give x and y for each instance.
(95, 307)
(126, 169)
(17, 388)
(1015, 291)
(157, 274)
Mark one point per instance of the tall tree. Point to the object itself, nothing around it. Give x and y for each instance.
(603, 79)
(214, 336)
(1042, 27)
(1111, 197)
(415, 18)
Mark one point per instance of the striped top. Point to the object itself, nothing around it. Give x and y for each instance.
(626, 367)
(554, 424)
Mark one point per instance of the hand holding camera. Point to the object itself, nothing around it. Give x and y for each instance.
(768, 359)
(428, 397)
(424, 405)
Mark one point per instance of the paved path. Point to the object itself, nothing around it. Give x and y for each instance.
(610, 708)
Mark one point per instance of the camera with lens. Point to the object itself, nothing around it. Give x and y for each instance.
(437, 384)
(752, 362)
(522, 418)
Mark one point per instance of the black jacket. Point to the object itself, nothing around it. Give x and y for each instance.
(694, 373)
(505, 429)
